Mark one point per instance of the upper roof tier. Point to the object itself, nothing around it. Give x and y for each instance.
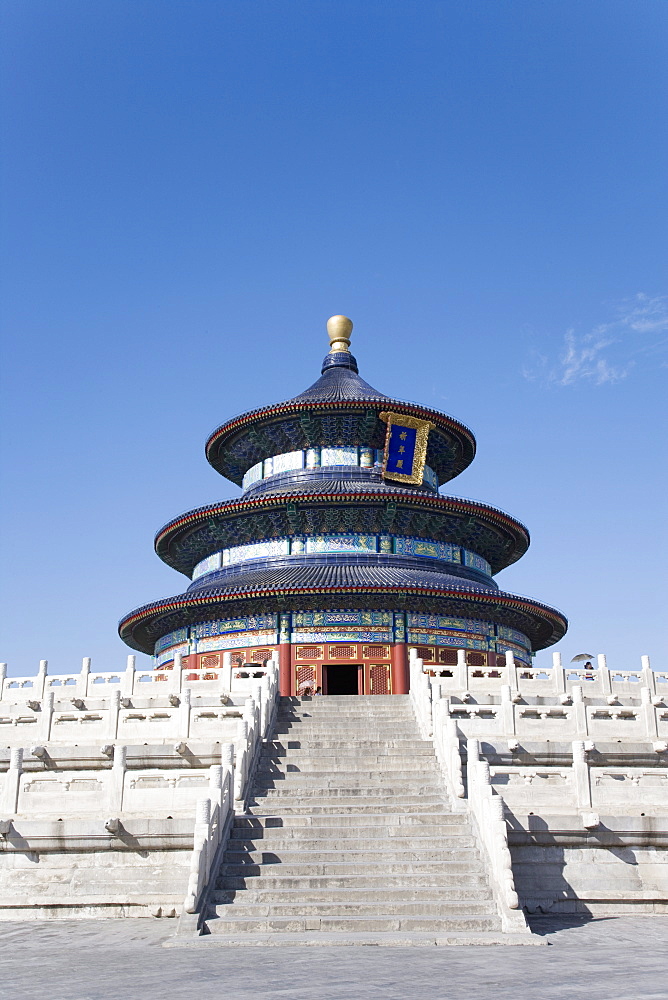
(339, 409)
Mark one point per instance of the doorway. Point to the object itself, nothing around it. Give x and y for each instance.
(341, 678)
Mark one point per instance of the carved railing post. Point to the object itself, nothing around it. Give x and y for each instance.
(40, 681)
(128, 682)
(114, 712)
(175, 675)
(648, 713)
(461, 672)
(558, 675)
(82, 680)
(46, 717)
(581, 778)
(226, 673)
(603, 674)
(648, 678)
(12, 786)
(184, 713)
(579, 711)
(117, 780)
(507, 711)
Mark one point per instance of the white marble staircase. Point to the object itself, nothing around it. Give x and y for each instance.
(350, 839)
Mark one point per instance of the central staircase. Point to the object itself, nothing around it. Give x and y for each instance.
(349, 838)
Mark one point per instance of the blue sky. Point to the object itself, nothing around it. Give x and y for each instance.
(192, 188)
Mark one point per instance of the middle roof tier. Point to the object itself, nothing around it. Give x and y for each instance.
(365, 505)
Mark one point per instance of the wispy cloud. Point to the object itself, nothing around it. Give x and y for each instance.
(609, 352)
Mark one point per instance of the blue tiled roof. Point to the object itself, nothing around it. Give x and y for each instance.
(332, 479)
(339, 380)
(344, 569)
(339, 572)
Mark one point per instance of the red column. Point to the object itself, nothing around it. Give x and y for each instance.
(284, 669)
(400, 673)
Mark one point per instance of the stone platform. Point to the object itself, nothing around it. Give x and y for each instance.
(620, 958)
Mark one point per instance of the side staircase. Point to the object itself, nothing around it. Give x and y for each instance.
(349, 838)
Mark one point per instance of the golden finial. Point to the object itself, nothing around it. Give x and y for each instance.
(339, 329)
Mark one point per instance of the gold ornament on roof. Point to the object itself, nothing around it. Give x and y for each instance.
(339, 329)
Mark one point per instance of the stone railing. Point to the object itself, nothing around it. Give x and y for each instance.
(566, 703)
(230, 786)
(530, 681)
(147, 746)
(420, 695)
(575, 715)
(487, 810)
(254, 726)
(212, 821)
(130, 682)
(484, 806)
(132, 706)
(446, 744)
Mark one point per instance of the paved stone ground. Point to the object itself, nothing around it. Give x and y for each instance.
(624, 958)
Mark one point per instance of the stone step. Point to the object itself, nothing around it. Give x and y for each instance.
(365, 799)
(380, 897)
(379, 699)
(423, 908)
(325, 710)
(338, 807)
(383, 836)
(353, 939)
(418, 785)
(379, 753)
(393, 780)
(325, 718)
(348, 703)
(347, 754)
(300, 855)
(370, 883)
(365, 869)
(383, 844)
(361, 745)
(309, 789)
(474, 922)
(386, 723)
(350, 837)
(427, 774)
(340, 767)
(390, 821)
(328, 704)
(345, 734)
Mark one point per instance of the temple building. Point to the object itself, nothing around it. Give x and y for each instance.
(341, 553)
(461, 788)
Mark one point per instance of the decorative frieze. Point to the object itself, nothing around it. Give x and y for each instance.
(425, 548)
(315, 458)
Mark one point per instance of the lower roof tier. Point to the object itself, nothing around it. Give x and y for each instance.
(342, 506)
(294, 589)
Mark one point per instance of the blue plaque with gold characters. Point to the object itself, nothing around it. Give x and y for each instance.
(405, 447)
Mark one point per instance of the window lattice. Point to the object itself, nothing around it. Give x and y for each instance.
(380, 678)
(476, 659)
(305, 679)
(448, 657)
(343, 652)
(425, 653)
(210, 662)
(260, 655)
(371, 652)
(309, 653)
